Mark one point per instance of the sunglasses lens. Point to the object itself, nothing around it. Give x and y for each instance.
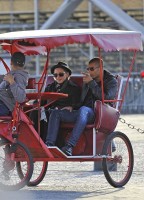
(60, 75)
(90, 69)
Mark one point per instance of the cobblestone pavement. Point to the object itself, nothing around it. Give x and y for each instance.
(72, 180)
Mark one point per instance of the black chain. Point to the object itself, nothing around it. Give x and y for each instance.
(131, 126)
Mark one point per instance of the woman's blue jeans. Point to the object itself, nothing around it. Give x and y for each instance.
(80, 117)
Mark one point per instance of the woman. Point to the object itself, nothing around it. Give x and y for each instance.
(62, 84)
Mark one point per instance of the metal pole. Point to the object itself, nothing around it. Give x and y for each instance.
(121, 61)
(63, 12)
(97, 165)
(90, 10)
(66, 53)
(36, 17)
(143, 19)
(11, 15)
(36, 24)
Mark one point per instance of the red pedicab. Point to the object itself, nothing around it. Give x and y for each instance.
(23, 155)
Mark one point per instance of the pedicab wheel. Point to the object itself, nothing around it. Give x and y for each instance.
(118, 165)
(39, 171)
(10, 154)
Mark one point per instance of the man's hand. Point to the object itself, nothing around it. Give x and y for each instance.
(86, 77)
(67, 108)
(9, 78)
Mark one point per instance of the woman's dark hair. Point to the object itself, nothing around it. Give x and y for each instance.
(18, 59)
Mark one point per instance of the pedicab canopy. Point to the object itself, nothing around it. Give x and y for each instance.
(40, 41)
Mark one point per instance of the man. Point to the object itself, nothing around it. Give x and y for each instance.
(13, 84)
(91, 92)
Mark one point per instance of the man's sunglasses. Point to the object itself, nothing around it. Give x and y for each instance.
(61, 74)
(91, 68)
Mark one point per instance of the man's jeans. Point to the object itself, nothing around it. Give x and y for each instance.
(4, 111)
(80, 117)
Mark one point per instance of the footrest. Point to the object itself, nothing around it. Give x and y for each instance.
(57, 153)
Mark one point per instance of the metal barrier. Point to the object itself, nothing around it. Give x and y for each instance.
(134, 99)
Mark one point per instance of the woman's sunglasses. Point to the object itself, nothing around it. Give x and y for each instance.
(61, 74)
(91, 68)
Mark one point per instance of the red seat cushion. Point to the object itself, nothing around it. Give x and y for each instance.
(31, 83)
(71, 125)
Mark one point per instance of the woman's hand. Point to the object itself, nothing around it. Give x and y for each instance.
(67, 108)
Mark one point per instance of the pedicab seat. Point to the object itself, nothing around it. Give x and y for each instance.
(71, 125)
(106, 116)
(31, 83)
(105, 123)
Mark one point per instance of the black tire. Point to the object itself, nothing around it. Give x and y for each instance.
(119, 166)
(9, 178)
(39, 171)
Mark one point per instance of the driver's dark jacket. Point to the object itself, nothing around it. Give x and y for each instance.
(92, 91)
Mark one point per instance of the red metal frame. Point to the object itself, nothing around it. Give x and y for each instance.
(21, 122)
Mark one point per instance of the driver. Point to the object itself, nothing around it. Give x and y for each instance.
(13, 84)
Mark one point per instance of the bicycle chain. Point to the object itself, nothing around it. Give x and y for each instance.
(131, 126)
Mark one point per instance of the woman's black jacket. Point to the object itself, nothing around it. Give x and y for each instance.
(68, 87)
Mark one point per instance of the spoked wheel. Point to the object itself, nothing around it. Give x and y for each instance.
(118, 165)
(40, 169)
(10, 154)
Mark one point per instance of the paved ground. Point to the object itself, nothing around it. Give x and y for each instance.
(69, 181)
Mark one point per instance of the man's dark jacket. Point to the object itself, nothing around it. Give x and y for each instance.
(92, 91)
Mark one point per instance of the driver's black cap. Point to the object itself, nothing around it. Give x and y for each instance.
(18, 59)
